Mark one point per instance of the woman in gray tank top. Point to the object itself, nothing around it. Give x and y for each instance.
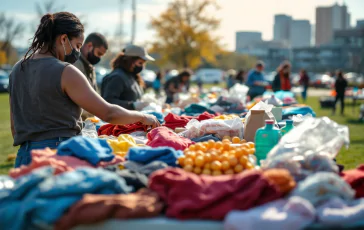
(47, 93)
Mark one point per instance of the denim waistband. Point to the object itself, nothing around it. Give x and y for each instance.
(42, 144)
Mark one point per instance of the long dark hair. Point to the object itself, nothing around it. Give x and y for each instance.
(125, 62)
(52, 25)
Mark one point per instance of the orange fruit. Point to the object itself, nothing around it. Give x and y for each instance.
(226, 146)
(197, 170)
(233, 161)
(206, 172)
(215, 165)
(216, 173)
(211, 144)
(203, 149)
(199, 161)
(188, 161)
(192, 148)
(207, 166)
(186, 151)
(206, 145)
(208, 157)
(229, 172)
(243, 141)
(181, 160)
(188, 168)
(251, 145)
(249, 165)
(214, 157)
(239, 152)
(245, 151)
(232, 153)
(190, 154)
(238, 168)
(243, 160)
(246, 146)
(218, 145)
(224, 157)
(251, 151)
(198, 146)
(199, 153)
(236, 140)
(225, 165)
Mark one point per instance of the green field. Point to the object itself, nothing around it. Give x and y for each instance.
(349, 157)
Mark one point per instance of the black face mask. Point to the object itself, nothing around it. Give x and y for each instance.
(92, 58)
(137, 69)
(73, 56)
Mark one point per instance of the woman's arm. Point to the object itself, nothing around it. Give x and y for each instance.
(76, 86)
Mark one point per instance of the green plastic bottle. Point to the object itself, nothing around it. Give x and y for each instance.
(265, 139)
(289, 126)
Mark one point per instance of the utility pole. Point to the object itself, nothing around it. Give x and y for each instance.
(133, 26)
(121, 24)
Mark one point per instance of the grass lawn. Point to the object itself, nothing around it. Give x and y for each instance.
(349, 157)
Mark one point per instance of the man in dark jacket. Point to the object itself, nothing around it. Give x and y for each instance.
(340, 87)
(178, 84)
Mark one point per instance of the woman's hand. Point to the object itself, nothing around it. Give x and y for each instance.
(150, 120)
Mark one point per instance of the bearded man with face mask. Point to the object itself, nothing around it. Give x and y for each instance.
(124, 85)
(93, 49)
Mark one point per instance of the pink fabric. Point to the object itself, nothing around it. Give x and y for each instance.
(163, 137)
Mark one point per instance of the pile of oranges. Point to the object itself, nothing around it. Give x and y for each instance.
(218, 158)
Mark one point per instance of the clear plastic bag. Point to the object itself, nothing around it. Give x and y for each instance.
(299, 118)
(89, 130)
(313, 136)
(239, 91)
(220, 128)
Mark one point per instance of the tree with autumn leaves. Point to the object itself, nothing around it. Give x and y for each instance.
(184, 34)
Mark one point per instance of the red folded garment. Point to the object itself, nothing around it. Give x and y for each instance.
(116, 130)
(190, 196)
(173, 121)
(355, 177)
(163, 137)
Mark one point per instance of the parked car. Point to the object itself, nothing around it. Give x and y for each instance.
(4, 81)
(100, 74)
(170, 74)
(354, 78)
(210, 75)
(322, 81)
(148, 76)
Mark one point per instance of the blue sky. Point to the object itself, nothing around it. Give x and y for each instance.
(234, 14)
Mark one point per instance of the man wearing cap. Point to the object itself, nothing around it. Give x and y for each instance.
(124, 85)
(256, 81)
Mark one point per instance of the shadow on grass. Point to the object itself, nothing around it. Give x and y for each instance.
(354, 121)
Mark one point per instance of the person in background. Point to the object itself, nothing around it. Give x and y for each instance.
(240, 77)
(94, 47)
(282, 79)
(304, 82)
(178, 84)
(256, 81)
(340, 87)
(124, 85)
(231, 73)
(157, 84)
(47, 93)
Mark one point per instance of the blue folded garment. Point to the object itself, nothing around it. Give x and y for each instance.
(205, 138)
(85, 148)
(194, 109)
(39, 199)
(146, 155)
(288, 112)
